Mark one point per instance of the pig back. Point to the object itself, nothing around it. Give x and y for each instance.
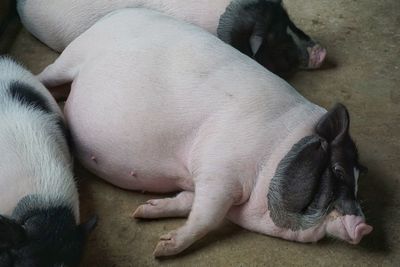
(58, 23)
(150, 65)
(152, 82)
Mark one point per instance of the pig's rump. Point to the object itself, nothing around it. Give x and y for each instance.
(153, 90)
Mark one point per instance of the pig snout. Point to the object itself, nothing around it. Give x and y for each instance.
(349, 228)
(356, 228)
(316, 56)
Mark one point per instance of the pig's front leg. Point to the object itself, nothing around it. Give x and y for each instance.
(178, 206)
(212, 201)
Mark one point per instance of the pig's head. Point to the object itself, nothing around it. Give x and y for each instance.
(315, 184)
(263, 30)
(42, 238)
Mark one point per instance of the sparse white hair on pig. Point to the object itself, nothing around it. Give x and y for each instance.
(39, 207)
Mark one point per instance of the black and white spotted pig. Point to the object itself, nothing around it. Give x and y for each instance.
(39, 207)
(261, 29)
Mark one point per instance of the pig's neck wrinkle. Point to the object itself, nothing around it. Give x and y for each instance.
(293, 126)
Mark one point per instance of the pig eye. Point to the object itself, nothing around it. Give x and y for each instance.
(338, 170)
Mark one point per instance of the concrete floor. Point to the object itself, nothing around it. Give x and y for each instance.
(363, 39)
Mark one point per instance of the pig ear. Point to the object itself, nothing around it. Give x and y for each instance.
(242, 37)
(255, 43)
(334, 125)
(88, 226)
(295, 183)
(237, 26)
(11, 233)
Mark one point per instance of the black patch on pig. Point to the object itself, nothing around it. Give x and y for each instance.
(316, 175)
(334, 127)
(28, 96)
(50, 236)
(296, 196)
(269, 21)
(11, 233)
(5, 259)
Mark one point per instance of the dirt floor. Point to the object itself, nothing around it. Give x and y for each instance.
(363, 40)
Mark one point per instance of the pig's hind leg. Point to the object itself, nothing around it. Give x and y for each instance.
(57, 76)
(211, 203)
(178, 206)
(58, 73)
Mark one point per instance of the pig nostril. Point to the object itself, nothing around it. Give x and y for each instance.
(359, 232)
(363, 229)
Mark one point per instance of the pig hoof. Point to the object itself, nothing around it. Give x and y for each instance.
(153, 202)
(138, 213)
(151, 209)
(168, 245)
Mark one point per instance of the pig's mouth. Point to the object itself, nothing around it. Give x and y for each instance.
(356, 228)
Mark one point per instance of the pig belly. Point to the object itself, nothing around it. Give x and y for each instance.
(122, 162)
(120, 148)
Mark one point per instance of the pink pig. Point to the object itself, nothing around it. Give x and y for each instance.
(163, 106)
(261, 29)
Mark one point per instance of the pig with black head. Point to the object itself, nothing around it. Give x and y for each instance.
(39, 211)
(235, 139)
(261, 29)
(319, 176)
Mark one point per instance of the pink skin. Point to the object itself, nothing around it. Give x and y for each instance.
(250, 212)
(349, 228)
(47, 21)
(136, 126)
(317, 55)
(178, 206)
